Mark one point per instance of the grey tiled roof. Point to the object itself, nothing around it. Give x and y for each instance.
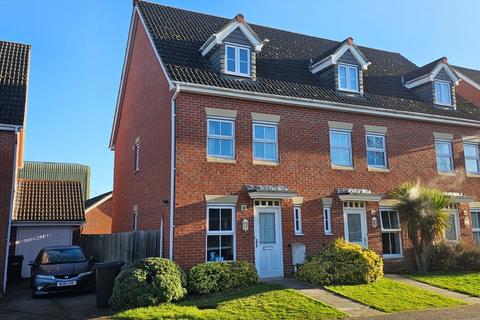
(14, 60)
(471, 73)
(52, 201)
(92, 201)
(282, 67)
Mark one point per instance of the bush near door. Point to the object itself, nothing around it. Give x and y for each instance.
(342, 263)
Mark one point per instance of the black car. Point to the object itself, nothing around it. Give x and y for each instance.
(61, 268)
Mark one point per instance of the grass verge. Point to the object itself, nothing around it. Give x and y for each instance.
(466, 282)
(263, 301)
(392, 296)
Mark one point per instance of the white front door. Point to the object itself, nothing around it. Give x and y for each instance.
(268, 242)
(356, 227)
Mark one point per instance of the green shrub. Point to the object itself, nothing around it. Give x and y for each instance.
(218, 276)
(448, 257)
(342, 263)
(148, 282)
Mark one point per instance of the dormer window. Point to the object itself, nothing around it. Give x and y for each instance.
(347, 78)
(237, 60)
(443, 93)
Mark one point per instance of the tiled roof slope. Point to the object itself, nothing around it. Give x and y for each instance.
(92, 201)
(14, 61)
(422, 71)
(471, 73)
(282, 65)
(53, 201)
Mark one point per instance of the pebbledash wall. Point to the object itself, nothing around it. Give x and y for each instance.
(7, 168)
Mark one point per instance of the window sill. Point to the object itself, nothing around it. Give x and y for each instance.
(221, 160)
(473, 175)
(266, 163)
(338, 167)
(447, 173)
(375, 169)
(299, 234)
(393, 257)
(328, 233)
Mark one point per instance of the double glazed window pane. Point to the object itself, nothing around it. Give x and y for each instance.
(267, 227)
(444, 155)
(220, 138)
(340, 149)
(451, 233)
(476, 226)
(471, 158)
(231, 60)
(391, 243)
(376, 154)
(264, 142)
(220, 220)
(219, 247)
(442, 93)
(390, 220)
(238, 60)
(243, 61)
(354, 228)
(348, 78)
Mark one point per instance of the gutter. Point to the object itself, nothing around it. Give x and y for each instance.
(318, 104)
(172, 173)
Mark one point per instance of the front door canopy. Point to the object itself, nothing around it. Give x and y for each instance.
(349, 194)
(269, 192)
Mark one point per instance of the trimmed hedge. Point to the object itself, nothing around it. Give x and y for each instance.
(148, 282)
(342, 263)
(218, 276)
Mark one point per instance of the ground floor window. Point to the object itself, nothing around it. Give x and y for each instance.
(453, 231)
(391, 233)
(220, 233)
(297, 211)
(476, 226)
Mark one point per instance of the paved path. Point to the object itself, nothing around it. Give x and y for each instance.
(351, 308)
(470, 312)
(444, 292)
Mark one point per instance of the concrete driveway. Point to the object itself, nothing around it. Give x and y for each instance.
(19, 304)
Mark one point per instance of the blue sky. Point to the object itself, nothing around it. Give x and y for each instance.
(78, 49)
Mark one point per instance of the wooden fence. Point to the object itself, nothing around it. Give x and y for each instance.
(123, 246)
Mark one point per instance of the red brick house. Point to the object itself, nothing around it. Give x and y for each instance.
(246, 142)
(98, 214)
(14, 66)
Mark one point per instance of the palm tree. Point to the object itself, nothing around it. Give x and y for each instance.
(423, 217)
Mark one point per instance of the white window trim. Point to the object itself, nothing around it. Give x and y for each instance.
(456, 218)
(341, 147)
(477, 158)
(237, 61)
(221, 137)
(136, 150)
(383, 150)
(449, 93)
(327, 220)
(221, 233)
(473, 228)
(299, 230)
(347, 73)
(450, 143)
(265, 124)
(399, 231)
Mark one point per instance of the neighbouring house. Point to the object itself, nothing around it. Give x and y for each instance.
(98, 215)
(469, 87)
(244, 142)
(14, 70)
(46, 213)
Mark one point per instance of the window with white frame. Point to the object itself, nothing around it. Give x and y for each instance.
(135, 218)
(220, 233)
(471, 158)
(453, 230)
(297, 216)
(327, 220)
(443, 150)
(347, 78)
(376, 151)
(340, 148)
(476, 226)
(265, 142)
(391, 233)
(443, 93)
(136, 150)
(237, 60)
(220, 138)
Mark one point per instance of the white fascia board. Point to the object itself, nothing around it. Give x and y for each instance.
(319, 104)
(333, 59)
(9, 127)
(47, 223)
(468, 80)
(431, 76)
(96, 204)
(417, 82)
(322, 64)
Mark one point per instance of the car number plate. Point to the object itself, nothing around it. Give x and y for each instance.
(66, 283)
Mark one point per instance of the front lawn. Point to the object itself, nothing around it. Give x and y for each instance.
(258, 302)
(468, 283)
(392, 296)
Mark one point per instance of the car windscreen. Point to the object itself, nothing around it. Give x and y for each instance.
(62, 255)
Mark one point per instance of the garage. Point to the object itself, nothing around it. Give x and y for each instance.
(47, 213)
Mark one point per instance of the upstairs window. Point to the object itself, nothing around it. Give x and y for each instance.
(136, 163)
(376, 151)
(347, 78)
(472, 158)
(443, 93)
(220, 138)
(341, 148)
(443, 150)
(265, 143)
(237, 60)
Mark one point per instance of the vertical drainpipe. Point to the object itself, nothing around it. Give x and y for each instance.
(10, 214)
(172, 175)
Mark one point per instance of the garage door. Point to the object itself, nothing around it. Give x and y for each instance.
(30, 240)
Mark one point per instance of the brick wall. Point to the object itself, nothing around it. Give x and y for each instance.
(145, 114)
(7, 167)
(304, 166)
(469, 92)
(99, 219)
